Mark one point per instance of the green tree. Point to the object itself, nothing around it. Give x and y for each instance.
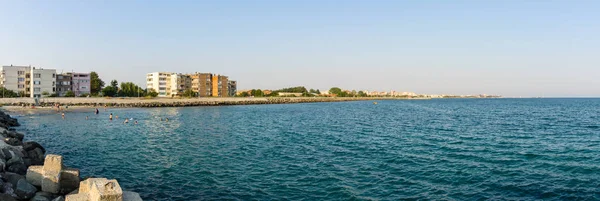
(256, 93)
(335, 91)
(96, 83)
(362, 94)
(318, 92)
(109, 91)
(312, 91)
(69, 94)
(22, 94)
(45, 93)
(114, 83)
(8, 93)
(189, 93)
(151, 93)
(129, 89)
(244, 94)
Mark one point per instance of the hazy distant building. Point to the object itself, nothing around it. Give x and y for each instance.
(168, 84)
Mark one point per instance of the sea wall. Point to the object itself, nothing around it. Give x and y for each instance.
(173, 102)
(28, 173)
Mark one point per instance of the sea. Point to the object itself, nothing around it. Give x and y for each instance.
(441, 149)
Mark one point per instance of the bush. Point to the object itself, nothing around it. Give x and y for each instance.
(69, 94)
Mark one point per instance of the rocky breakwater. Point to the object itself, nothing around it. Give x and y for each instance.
(27, 173)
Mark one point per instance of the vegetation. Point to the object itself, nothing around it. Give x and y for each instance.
(299, 89)
(189, 93)
(96, 83)
(335, 91)
(8, 93)
(151, 93)
(53, 95)
(84, 95)
(129, 89)
(109, 91)
(70, 94)
(45, 93)
(256, 93)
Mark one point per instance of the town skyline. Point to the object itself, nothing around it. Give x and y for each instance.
(459, 47)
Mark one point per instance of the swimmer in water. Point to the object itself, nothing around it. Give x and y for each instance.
(161, 119)
(110, 117)
(63, 115)
(86, 117)
(97, 111)
(126, 121)
(135, 121)
(167, 119)
(116, 116)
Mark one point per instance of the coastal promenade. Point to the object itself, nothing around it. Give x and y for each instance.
(176, 102)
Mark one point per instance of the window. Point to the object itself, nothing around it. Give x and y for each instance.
(53, 83)
(37, 75)
(36, 82)
(60, 77)
(59, 89)
(37, 89)
(53, 89)
(84, 87)
(21, 79)
(21, 72)
(53, 75)
(21, 86)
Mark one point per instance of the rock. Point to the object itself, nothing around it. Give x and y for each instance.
(39, 197)
(53, 177)
(25, 190)
(28, 146)
(13, 141)
(16, 135)
(36, 156)
(8, 189)
(131, 196)
(6, 197)
(12, 178)
(59, 198)
(7, 154)
(18, 168)
(2, 165)
(14, 160)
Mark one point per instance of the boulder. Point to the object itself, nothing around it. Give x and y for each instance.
(59, 198)
(16, 135)
(28, 146)
(12, 178)
(131, 196)
(2, 165)
(6, 197)
(12, 141)
(39, 197)
(18, 168)
(36, 156)
(25, 190)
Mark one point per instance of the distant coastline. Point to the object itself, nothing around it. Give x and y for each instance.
(178, 102)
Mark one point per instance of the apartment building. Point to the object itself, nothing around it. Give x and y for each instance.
(81, 83)
(16, 78)
(28, 81)
(43, 81)
(63, 84)
(157, 81)
(232, 86)
(168, 84)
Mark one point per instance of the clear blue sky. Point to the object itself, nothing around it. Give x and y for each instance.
(510, 47)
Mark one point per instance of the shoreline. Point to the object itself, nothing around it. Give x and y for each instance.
(48, 103)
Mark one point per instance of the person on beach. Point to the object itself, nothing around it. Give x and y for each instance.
(96, 112)
(110, 117)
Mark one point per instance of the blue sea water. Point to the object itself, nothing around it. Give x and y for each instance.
(449, 149)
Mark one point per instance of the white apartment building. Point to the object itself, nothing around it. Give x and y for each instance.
(160, 82)
(28, 81)
(42, 81)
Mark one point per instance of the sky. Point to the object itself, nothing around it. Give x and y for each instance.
(511, 47)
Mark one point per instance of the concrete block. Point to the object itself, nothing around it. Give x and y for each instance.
(34, 175)
(53, 163)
